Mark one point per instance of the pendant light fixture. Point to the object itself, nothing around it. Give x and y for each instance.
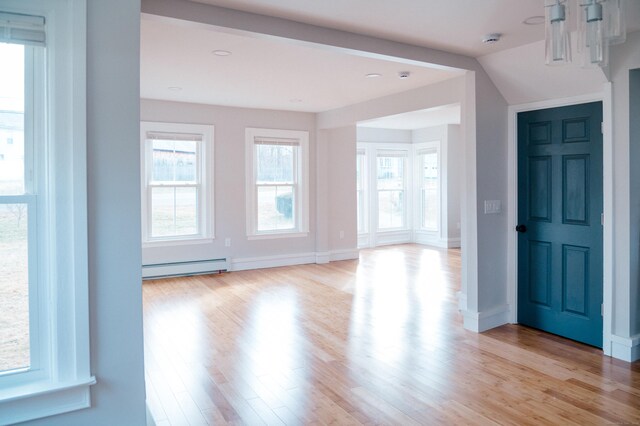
(600, 24)
(558, 42)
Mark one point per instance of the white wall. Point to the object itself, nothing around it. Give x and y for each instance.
(114, 218)
(626, 154)
(229, 177)
(374, 135)
(342, 190)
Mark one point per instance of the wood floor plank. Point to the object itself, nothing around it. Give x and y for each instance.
(372, 341)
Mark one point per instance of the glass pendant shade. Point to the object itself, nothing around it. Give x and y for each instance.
(615, 21)
(597, 45)
(558, 42)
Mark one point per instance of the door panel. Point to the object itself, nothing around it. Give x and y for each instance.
(560, 202)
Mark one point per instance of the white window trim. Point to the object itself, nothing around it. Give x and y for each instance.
(418, 150)
(61, 382)
(206, 172)
(302, 201)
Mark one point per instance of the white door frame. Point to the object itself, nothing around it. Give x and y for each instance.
(607, 180)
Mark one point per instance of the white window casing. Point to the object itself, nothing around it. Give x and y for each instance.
(297, 184)
(58, 378)
(202, 182)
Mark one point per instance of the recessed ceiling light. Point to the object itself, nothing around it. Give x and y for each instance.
(221, 52)
(174, 88)
(534, 20)
(373, 75)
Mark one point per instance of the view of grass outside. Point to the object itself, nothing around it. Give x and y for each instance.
(275, 180)
(174, 192)
(174, 211)
(14, 287)
(14, 280)
(275, 208)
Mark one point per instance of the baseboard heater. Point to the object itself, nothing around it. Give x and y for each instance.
(178, 269)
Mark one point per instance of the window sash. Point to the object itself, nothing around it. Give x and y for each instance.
(256, 137)
(203, 136)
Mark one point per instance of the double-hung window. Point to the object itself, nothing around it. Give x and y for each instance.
(176, 182)
(277, 164)
(44, 323)
(391, 186)
(428, 182)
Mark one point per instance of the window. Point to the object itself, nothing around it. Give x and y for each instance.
(176, 182)
(428, 181)
(44, 321)
(277, 183)
(391, 188)
(361, 179)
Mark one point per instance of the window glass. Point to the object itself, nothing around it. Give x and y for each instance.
(275, 163)
(429, 190)
(391, 187)
(14, 223)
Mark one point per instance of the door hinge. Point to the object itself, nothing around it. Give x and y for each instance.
(602, 127)
(602, 309)
(602, 219)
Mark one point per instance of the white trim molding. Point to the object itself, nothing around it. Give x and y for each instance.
(483, 321)
(512, 206)
(625, 348)
(261, 262)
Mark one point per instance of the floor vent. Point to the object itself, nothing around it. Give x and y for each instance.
(178, 269)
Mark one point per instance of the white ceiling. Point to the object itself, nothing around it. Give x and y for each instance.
(263, 73)
(272, 73)
(452, 25)
(449, 114)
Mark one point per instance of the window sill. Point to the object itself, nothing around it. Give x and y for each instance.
(277, 235)
(180, 242)
(38, 400)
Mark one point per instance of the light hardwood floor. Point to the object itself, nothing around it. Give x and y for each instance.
(374, 341)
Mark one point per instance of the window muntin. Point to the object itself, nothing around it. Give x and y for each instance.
(176, 191)
(277, 182)
(391, 189)
(429, 188)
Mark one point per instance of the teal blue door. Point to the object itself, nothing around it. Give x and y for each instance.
(559, 221)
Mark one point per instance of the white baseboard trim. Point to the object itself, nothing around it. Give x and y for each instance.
(247, 263)
(486, 320)
(625, 348)
(323, 257)
(462, 301)
(432, 240)
(347, 254)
